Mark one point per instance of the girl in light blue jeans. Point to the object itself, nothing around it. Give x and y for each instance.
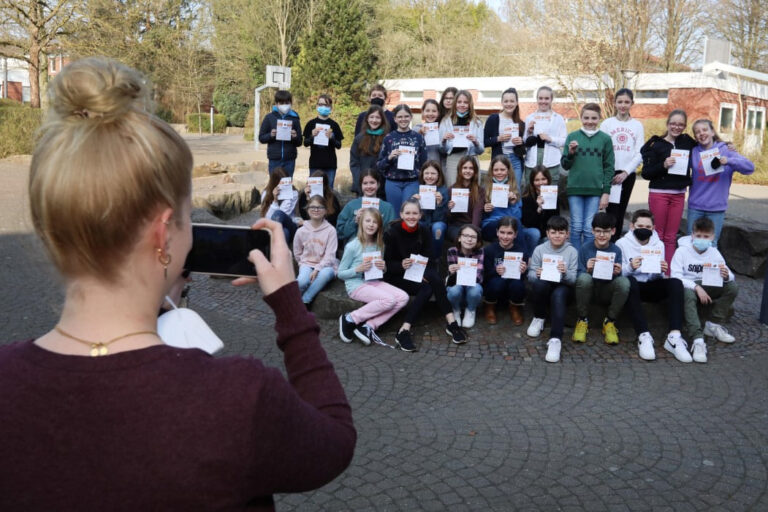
(314, 248)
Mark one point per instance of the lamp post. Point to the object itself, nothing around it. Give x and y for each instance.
(628, 75)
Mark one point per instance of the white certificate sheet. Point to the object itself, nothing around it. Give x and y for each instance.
(549, 193)
(511, 128)
(615, 194)
(415, 272)
(651, 263)
(431, 134)
(512, 261)
(285, 189)
(541, 123)
(321, 139)
(315, 186)
(603, 265)
(406, 158)
(681, 162)
(284, 129)
(460, 198)
(427, 197)
(467, 273)
(706, 161)
(373, 272)
(460, 139)
(710, 275)
(370, 202)
(500, 195)
(549, 270)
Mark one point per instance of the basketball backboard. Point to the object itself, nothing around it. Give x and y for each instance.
(278, 76)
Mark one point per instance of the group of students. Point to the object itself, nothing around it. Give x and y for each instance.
(420, 186)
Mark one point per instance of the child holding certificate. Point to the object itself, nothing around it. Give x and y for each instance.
(465, 275)
(504, 266)
(536, 210)
(433, 197)
(461, 134)
(713, 165)
(314, 248)
(642, 253)
(349, 218)
(504, 132)
(552, 273)
(322, 135)
(669, 176)
(428, 128)
(467, 197)
(363, 254)
(706, 280)
(364, 152)
(277, 207)
(281, 131)
(600, 280)
(332, 205)
(545, 133)
(502, 196)
(406, 250)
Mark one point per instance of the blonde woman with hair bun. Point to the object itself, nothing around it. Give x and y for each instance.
(98, 413)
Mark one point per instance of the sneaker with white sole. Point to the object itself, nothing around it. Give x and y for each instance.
(404, 341)
(537, 325)
(469, 318)
(457, 334)
(718, 332)
(645, 346)
(364, 333)
(553, 350)
(678, 347)
(699, 350)
(346, 329)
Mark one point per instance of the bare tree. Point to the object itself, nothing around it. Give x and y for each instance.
(678, 33)
(30, 29)
(745, 24)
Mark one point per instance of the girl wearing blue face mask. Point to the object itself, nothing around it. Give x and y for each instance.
(461, 134)
(322, 135)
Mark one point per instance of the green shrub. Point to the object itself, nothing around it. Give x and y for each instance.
(18, 128)
(231, 106)
(248, 126)
(164, 113)
(202, 122)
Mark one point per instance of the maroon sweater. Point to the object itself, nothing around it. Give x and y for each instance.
(171, 429)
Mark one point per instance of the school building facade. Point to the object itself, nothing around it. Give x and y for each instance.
(732, 97)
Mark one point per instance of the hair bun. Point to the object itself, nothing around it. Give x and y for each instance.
(98, 88)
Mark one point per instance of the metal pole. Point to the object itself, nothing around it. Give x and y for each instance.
(256, 115)
(211, 120)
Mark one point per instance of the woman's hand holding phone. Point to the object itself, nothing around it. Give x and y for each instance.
(274, 274)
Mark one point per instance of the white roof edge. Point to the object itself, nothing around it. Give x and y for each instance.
(719, 66)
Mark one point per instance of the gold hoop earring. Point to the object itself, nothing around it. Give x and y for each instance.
(165, 260)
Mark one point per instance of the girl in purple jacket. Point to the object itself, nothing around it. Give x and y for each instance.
(713, 167)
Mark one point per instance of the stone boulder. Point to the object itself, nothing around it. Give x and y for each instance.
(228, 195)
(744, 245)
(334, 301)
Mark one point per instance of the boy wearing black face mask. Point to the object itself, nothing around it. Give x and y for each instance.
(642, 242)
(377, 96)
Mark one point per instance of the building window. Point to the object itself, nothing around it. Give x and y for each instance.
(26, 94)
(727, 117)
(489, 96)
(755, 119)
(652, 95)
(411, 95)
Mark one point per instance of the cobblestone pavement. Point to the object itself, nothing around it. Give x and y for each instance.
(490, 425)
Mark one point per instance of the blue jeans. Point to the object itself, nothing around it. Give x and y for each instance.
(289, 227)
(517, 166)
(438, 235)
(399, 191)
(554, 295)
(309, 288)
(532, 237)
(717, 219)
(470, 295)
(583, 209)
(331, 173)
(500, 289)
(287, 165)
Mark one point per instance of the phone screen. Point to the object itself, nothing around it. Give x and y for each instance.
(223, 250)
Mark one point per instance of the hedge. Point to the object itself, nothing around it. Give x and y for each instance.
(219, 123)
(18, 128)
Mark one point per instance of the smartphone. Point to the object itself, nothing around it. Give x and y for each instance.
(223, 250)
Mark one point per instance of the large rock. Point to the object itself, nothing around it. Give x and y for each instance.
(744, 245)
(228, 195)
(334, 301)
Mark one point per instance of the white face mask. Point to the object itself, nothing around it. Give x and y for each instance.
(183, 328)
(589, 132)
(284, 109)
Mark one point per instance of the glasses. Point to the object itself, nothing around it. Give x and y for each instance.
(469, 237)
(316, 208)
(602, 232)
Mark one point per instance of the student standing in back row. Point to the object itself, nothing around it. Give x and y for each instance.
(545, 134)
(501, 137)
(323, 142)
(461, 117)
(281, 153)
(627, 135)
(377, 97)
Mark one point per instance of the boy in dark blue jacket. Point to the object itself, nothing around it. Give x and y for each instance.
(281, 152)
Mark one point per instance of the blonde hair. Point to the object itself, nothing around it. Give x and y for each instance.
(103, 167)
(379, 237)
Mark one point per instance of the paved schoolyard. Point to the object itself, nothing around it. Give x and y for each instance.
(490, 425)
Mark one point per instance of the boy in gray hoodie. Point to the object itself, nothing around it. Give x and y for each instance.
(552, 273)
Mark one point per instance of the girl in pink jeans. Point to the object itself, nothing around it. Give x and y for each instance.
(669, 177)
(362, 267)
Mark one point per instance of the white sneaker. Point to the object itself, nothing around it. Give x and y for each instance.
(718, 332)
(553, 350)
(469, 318)
(699, 351)
(645, 346)
(679, 348)
(457, 316)
(537, 325)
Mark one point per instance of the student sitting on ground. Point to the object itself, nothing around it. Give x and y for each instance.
(611, 288)
(641, 245)
(497, 288)
(692, 256)
(555, 287)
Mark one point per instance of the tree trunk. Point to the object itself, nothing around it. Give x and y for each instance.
(34, 74)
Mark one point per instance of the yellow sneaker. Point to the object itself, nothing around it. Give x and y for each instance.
(580, 332)
(610, 332)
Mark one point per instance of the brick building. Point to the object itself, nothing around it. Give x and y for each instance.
(730, 96)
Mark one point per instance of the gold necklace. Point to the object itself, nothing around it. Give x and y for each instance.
(99, 348)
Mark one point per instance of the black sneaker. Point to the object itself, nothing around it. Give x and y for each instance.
(404, 341)
(457, 334)
(364, 333)
(346, 329)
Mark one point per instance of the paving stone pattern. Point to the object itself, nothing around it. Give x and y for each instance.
(490, 425)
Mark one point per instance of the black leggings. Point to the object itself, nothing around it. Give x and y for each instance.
(421, 292)
(655, 291)
(618, 210)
